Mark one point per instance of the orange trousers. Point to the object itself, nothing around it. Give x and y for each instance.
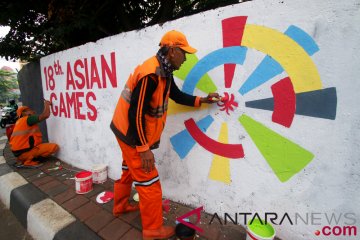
(147, 185)
(41, 150)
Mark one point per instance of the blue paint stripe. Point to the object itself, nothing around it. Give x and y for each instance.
(269, 68)
(216, 58)
(319, 103)
(183, 142)
(303, 39)
(266, 70)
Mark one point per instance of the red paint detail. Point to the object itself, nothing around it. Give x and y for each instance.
(221, 149)
(83, 174)
(317, 232)
(251, 236)
(225, 98)
(107, 196)
(233, 29)
(228, 103)
(196, 211)
(166, 205)
(229, 70)
(9, 130)
(284, 102)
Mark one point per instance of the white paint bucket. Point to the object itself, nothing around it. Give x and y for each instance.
(83, 182)
(99, 173)
(258, 230)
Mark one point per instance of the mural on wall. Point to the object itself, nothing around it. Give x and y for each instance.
(80, 78)
(301, 92)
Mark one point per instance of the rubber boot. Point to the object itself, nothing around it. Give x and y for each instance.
(164, 232)
(121, 199)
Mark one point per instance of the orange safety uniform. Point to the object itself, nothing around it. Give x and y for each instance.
(26, 142)
(138, 122)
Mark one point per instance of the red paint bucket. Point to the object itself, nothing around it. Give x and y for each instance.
(83, 182)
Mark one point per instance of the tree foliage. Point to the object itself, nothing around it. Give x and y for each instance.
(8, 82)
(42, 27)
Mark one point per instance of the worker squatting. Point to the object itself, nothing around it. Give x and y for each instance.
(84, 74)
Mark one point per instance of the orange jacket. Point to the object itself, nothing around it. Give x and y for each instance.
(24, 137)
(150, 126)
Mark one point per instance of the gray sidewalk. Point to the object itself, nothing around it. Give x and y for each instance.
(45, 202)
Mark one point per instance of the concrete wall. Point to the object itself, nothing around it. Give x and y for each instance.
(285, 143)
(30, 85)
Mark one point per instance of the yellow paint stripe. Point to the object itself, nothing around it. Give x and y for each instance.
(175, 108)
(220, 166)
(291, 56)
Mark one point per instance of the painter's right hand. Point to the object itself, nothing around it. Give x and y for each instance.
(47, 102)
(147, 161)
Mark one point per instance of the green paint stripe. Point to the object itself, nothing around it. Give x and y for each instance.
(285, 157)
(205, 84)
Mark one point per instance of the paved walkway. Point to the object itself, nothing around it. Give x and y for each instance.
(45, 202)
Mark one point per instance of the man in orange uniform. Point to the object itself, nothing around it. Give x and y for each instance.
(138, 122)
(26, 139)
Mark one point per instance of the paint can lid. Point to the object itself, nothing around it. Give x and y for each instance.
(83, 174)
(98, 167)
(104, 197)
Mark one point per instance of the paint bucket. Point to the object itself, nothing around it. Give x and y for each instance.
(184, 232)
(99, 173)
(83, 182)
(258, 230)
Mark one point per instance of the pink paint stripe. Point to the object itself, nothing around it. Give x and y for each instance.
(221, 149)
(196, 211)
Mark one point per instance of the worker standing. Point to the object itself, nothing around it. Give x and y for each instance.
(138, 121)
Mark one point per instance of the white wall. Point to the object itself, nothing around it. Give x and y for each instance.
(329, 183)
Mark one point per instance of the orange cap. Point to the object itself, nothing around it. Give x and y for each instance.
(21, 109)
(176, 39)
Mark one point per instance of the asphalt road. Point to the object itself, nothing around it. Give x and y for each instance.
(10, 227)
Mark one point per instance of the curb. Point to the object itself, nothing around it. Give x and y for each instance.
(45, 202)
(43, 218)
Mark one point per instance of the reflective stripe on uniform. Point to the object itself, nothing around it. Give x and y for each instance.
(24, 132)
(147, 183)
(159, 111)
(126, 94)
